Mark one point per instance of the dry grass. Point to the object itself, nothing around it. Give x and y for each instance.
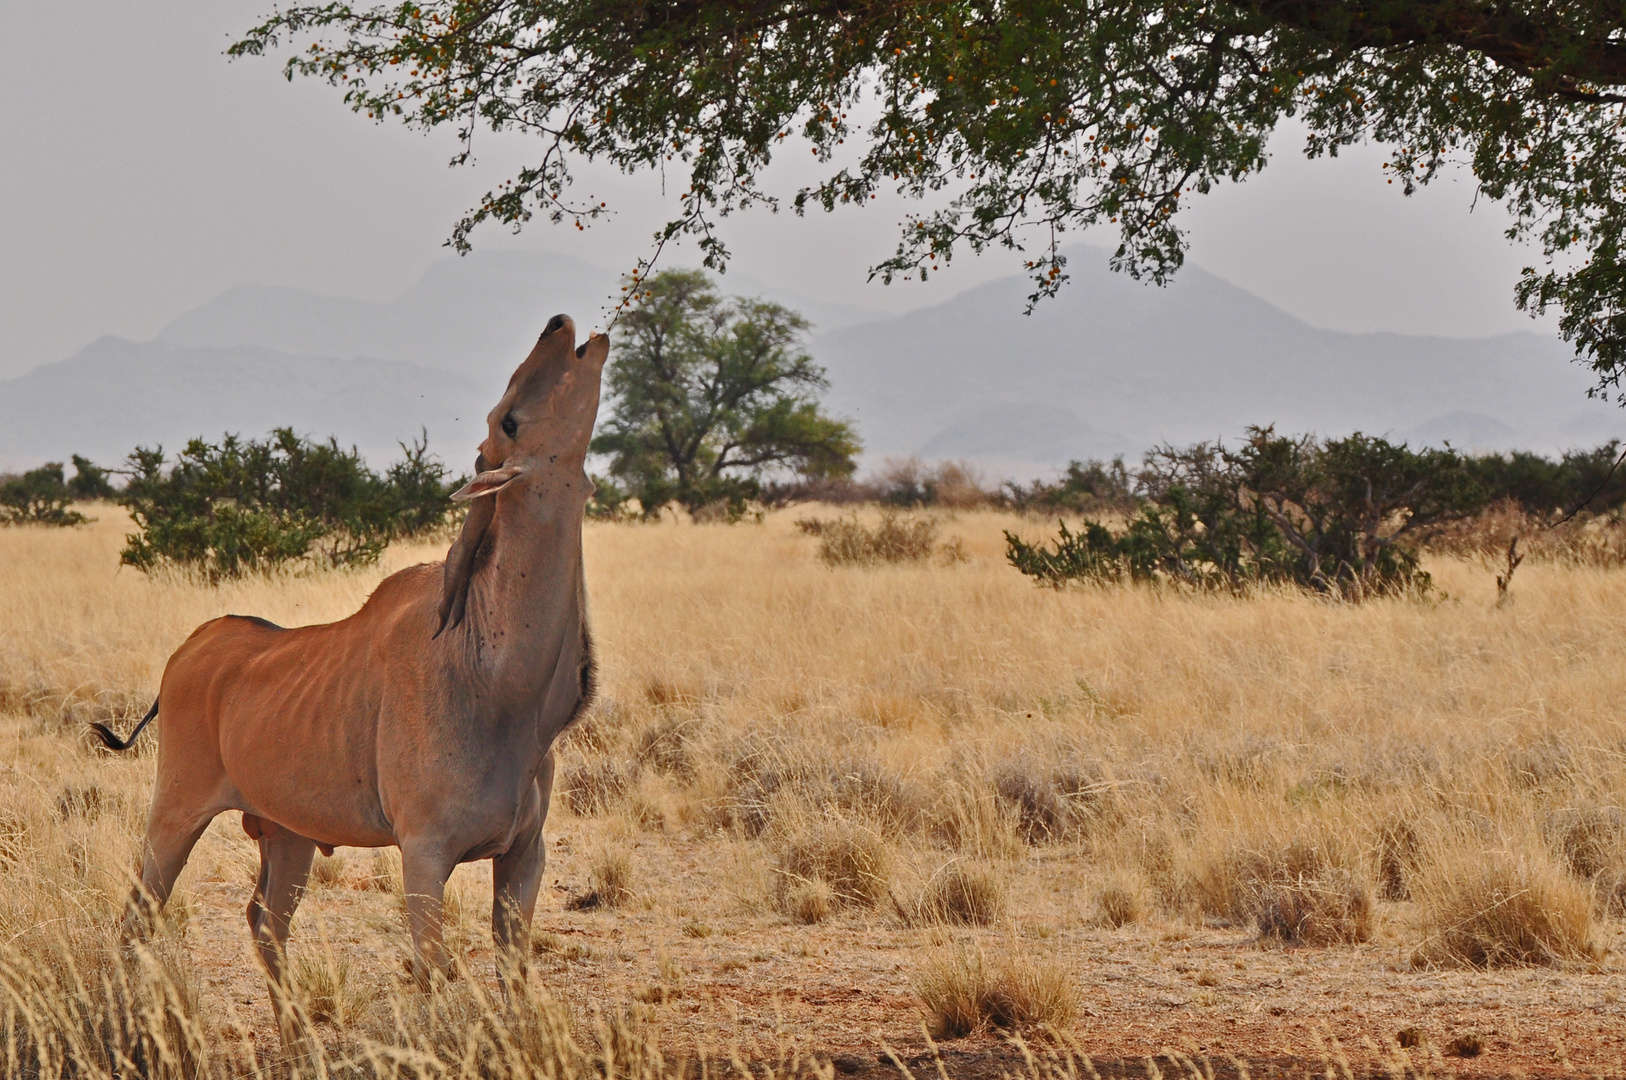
(1135, 757)
(1333, 908)
(329, 989)
(328, 871)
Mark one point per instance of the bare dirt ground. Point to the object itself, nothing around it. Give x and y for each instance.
(749, 983)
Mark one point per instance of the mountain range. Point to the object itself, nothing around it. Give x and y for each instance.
(1112, 366)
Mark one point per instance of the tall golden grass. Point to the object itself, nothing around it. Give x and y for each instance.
(1275, 761)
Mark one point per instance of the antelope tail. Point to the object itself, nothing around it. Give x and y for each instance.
(113, 742)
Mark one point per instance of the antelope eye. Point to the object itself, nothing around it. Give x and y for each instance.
(509, 425)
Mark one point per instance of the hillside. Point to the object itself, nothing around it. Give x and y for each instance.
(116, 394)
(1116, 366)
(1112, 366)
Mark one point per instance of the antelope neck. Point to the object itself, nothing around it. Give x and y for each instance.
(529, 589)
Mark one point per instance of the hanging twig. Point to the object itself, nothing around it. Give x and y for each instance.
(1504, 580)
(1610, 475)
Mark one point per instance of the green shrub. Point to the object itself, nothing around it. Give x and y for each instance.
(44, 496)
(1340, 516)
(1086, 487)
(89, 481)
(238, 507)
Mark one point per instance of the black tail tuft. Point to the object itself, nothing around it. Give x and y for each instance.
(113, 742)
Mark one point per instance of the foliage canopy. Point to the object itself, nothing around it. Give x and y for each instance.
(1032, 117)
(709, 395)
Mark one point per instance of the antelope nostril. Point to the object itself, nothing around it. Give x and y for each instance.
(555, 323)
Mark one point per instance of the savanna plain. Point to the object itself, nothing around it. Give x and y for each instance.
(923, 819)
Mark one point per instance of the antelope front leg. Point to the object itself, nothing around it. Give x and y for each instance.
(423, 874)
(516, 879)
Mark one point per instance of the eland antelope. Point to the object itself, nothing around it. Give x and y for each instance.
(425, 720)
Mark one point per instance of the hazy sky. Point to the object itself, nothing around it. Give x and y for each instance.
(141, 173)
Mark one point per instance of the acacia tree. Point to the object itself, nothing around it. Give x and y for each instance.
(709, 394)
(1035, 116)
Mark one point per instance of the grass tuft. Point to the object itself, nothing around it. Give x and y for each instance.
(328, 871)
(328, 989)
(1488, 909)
(854, 862)
(1121, 900)
(965, 992)
(961, 894)
(612, 877)
(1333, 908)
(598, 786)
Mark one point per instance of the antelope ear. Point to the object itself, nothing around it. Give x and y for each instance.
(488, 482)
(459, 571)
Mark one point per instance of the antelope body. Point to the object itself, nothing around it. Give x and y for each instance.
(426, 719)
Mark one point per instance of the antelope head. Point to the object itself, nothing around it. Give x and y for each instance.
(536, 445)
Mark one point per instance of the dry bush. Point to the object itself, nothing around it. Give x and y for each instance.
(867, 788)
(1310, 889)
(1333, 908)
(1587, 540)
(1042, 810)
(910, 481)
(769, 777)
(964, 992)
(1491, 908)
(961, 894)
(1398, 849)
(597, 786)
(807, 901)
(1122, 899)
(328, 871)
(758, 774)
(1591, 840)
(894, 539)
(665, 746)
(853, 862)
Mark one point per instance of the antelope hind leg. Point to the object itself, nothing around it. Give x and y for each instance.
(285, 865)
(171, 835)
